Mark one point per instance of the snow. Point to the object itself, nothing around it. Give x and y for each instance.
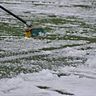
(66, 80)
(27, 85)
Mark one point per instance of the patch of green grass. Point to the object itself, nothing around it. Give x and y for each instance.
(64, 46)
(60, 20)
(7, 29)
(11, 70)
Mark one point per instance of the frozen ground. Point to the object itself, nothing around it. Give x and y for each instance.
(62, 63)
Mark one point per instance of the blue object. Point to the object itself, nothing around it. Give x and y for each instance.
(37, 31)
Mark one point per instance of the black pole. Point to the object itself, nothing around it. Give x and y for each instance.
(13, 15)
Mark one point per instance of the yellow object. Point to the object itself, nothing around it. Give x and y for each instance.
(28, 34)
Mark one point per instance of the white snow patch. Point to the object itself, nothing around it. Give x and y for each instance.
(26, 85)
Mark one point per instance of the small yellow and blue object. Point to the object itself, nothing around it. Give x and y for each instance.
(33, 32)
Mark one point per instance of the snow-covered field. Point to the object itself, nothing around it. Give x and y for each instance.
(47, 83)
(62, 63)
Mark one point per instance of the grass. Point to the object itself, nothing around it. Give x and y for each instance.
(10, 30)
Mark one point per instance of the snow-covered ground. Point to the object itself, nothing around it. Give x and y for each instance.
(66, 66)
(47, 83)
(65, 81)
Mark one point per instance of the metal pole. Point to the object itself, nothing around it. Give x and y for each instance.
(14, 15)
